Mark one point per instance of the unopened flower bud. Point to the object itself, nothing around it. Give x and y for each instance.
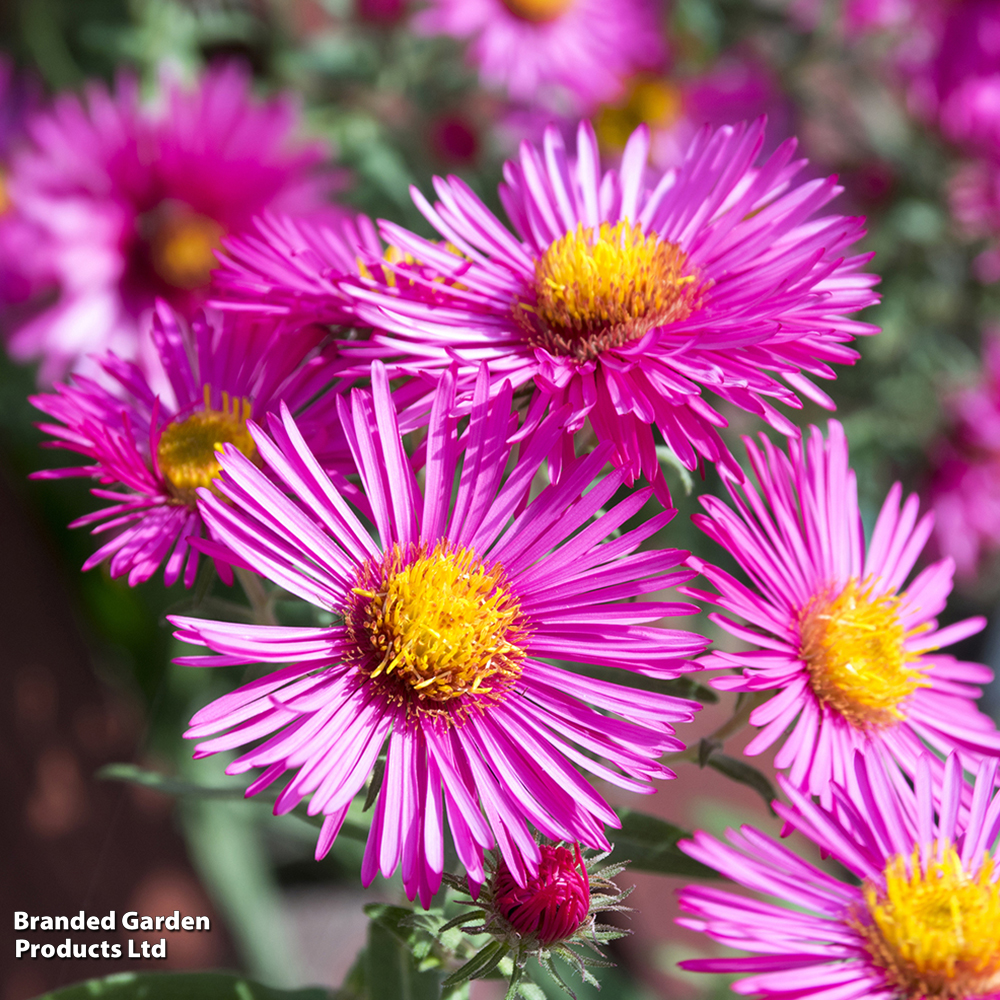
(553, 904)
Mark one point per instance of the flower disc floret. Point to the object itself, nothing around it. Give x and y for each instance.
(553, 904)
(187, 453)
(598, 289)
(933, 928)
(437, 626)
(854, 647)
(538, 11)
(182, 247)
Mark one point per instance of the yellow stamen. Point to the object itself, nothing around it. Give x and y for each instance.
(5, 202)
(393, 255)
(595, 291)
(854, 647)
(182, 248)
(437, 627)
(187, 452)
(538, 10)
(934, 929)
(657, 102)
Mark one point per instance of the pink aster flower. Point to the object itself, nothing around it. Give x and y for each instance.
(553, 903)
(563, 53)
(443, 620)
(132, 202)
(155, 451)
(965, 490)
(922, 925)
(847, 650)
(628, 302)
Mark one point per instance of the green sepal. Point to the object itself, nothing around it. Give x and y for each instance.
(480, 965)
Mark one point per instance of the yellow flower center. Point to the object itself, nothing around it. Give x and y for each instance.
(657, 102)
(5, 202)
(853, 645)
(187, 452)
(595, 291)
(182, 248)
(936, 930)
(437, 627)
(538, 10)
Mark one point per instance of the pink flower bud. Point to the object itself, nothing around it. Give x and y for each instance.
(553, 904)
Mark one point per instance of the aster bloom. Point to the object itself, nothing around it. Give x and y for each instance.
(922, 925)
(848, 651)
(132, 201)
(434, 653)
(551, 915)
(573, 53)
(628, 302)
(162, 448)
(965, 489)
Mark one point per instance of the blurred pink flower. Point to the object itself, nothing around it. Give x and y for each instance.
(860, 17)
(568, 54)
(974, 199)
(965, 489)
(965, 76)
(735, 89)
(131, 201)
(22, 269)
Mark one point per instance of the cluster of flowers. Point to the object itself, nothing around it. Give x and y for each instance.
(609, 315)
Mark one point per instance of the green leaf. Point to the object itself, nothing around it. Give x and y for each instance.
(390, 969)
(480, 965)
(135, 775)
(745, 774)
(180, 986)
(650, 845)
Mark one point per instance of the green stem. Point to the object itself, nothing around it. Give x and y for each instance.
(745, 704)
(260, 601)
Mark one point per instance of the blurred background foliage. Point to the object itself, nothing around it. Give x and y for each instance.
(398, 108)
